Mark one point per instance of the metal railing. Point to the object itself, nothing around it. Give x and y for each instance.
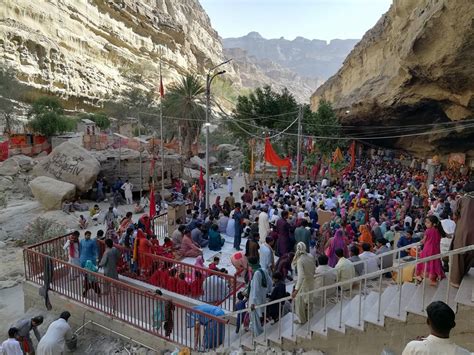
(204, 284)
(145, 310)
(160, 225)
(341, 296)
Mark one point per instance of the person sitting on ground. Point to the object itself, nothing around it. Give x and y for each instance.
(197, 236)
(67, 207)
(177, 236)
(441, 320)
(94, 212)
(216, 242)
(370, 264)
(11, 346)
(215, 262)
(344, 268)
(188, 247)
(359, 268)
(325, 276)
(138, 207)
(385, 261)
(405, 240)
(83, 223)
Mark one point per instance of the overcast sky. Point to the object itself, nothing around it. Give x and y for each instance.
(312, 19)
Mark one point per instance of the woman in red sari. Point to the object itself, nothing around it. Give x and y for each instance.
(140, 249)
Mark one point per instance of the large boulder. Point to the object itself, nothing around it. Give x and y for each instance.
(9, 167)
(51, 193)
(26, 163)
(70, 163)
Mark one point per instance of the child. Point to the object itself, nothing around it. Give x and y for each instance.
(90, 281)
(159, 313)
(278, 292)
(196, 285)
(215, 262)
(171, 282)
(181, 285)
(83, 222)
(240, 305)
(168, 247)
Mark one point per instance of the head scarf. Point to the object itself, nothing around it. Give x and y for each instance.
(300, 250)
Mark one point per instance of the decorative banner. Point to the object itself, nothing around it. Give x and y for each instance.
(152, 201)
(4, 151)
(272, 157)
(337, 156)
(352, 152)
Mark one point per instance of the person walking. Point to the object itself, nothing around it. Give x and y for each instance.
(54, 341)
(24, 328)
(260, 286)
(127, 188)
(88, 249)
(305, 266)
(110, 259)
(237, 226)
(263, 224)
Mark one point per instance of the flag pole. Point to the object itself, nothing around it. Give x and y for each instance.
(161, 133)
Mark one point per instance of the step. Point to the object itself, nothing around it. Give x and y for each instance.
(332, 318)
(367, 302)
(303, 331)
(285, 322)
(466, 290)
(372, 315)
(440, 294)
(416, 304)
(408, 290)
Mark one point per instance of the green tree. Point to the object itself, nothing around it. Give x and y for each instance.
(100, 119)
(270, 111)
(185, 99)
(324, 123)
(47, 117)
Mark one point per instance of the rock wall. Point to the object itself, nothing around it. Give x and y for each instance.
(413, 67)
(79, 49)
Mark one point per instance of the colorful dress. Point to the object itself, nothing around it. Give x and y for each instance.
(431, 269)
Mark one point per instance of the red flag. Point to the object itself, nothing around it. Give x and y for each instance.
(162, 88)
(279, 173)
(288, 170)
(152, 202)
(352, 151)
(4, 151)
(202, 183)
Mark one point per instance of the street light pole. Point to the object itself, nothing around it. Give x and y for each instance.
(209, 79)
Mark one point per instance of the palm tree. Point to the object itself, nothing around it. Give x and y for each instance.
(185, 99)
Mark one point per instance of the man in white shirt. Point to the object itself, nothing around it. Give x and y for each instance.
(11, 346)
(344, 268)
(263, 224)
(267, 258)
(325, 276)
(440, 321)
(370, 264)
(449, 226)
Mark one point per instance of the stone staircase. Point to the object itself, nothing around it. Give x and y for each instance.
(353, 315)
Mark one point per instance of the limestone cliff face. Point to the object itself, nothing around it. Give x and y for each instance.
(414, 66)
(80, 49)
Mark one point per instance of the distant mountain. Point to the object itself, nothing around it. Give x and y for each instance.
(259, 72)
(315, 59)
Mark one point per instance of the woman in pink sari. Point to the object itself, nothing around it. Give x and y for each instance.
(431, 246)
(339, 241)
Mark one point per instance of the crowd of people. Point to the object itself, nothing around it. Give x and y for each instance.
(318, 233)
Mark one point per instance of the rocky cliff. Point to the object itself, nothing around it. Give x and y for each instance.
(81, 49)
(414, 67)
(315, 59)
(256, 72)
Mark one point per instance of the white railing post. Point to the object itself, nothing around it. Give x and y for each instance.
(340, 309)
(424, 288)
(293, 316)
(279, 321)
(380, 297)
(360, 302)
(325, 311)
(265, 324)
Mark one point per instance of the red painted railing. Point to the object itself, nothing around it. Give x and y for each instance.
(142, 309)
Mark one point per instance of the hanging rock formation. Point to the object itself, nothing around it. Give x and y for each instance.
(415, 66)
(81, 49)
